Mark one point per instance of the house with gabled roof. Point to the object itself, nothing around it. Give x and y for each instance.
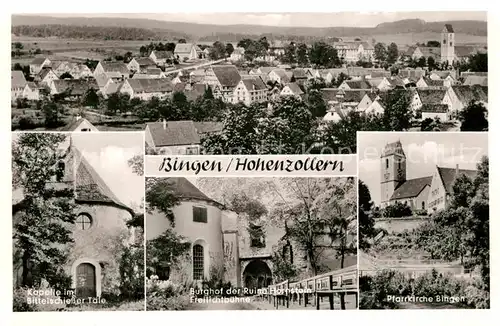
(73, 88)
(462, 95)
(79, 124)
(140, 64)
(426, 82)
(250, 89)
(280, 76)
(429, 193)
(161, 58)
(185, 51)
(115, 70)
(145, 89)
(31, 92)
(46, 76)
(223, 79)
(476, 80)
(173, 137)
(17, 84)
(355, 84)
(37, 64)
(433, 99)
(292, 89)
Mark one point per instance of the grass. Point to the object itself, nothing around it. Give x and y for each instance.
(122, 306)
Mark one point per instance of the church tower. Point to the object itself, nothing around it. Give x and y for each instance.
(392, 170)
(448, 44)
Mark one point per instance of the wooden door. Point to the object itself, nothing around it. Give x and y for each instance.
(85, 280)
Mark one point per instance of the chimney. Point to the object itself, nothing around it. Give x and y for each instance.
(164, 124)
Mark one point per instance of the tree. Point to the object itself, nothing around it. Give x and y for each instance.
(473, 117)
(229, 49)
(217, 51)
(340, 79)
(302, 55)
(324, 55)
(181, 106)
(182, 40)
(365, 216)
(165, 252)
(392, 53)
(431, 63)
(66, 75)
(43, 218)
(290, 54)
(397, 114)
(316, 103)
(117, 102)
(127, 57)
(421, 62)
(245, 43)
(91, 98)
(478, 62)
(380, 52)
(160, 196)
(434, 43)
(53, 114)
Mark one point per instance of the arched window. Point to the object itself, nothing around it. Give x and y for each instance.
(386, 163)
(198, 262)
(423, 205)
(83, 221)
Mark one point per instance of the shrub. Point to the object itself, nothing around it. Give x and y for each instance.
(397, 210)
(165, 295)
(21, 296)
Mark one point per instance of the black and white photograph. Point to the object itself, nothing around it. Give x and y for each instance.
(78, 221)
(250, 83)
(424, 220)
(251, 243)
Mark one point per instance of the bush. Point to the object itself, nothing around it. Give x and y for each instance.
(166, 295)
(397, 210)
(21, 296)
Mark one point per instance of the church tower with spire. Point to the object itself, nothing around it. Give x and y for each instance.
(393, 170)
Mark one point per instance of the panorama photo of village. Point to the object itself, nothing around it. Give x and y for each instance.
(213, 86)
(424, 221)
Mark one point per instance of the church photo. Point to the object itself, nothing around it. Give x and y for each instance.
(251, 243)
(423, 219)
(77, 214)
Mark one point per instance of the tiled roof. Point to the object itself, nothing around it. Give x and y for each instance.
(38, 61)
(466, 93)
(151, 85)
(114, 88)
(449, 28)
(431, 96)
(75, 86)
(448, 175)
(195, 92)
(227, 75)
(299, 73)
(428, 51)
(164, 54)
(464, 51)
(282, 74)
(354, 95)
(434, 108)
(393, 148)
(476, 80)
(254, 84)
(184, 189)
(145, 61)
(74, 124)
(295, 88)
(206, 127)
(432, 82)
(90, 187)
(175, 133)
(102, 80)
(154, 71)
(112, 66)
(17, 79)
(411, 188)
(358, 84)
(43, 73)
(266, 70)
(183, 47)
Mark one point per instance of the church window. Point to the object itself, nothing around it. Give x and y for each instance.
(199, 214)
(451, 43)
(444, 41)
(423, 205)
(60, 171)
(198, 262)
(386, 163)
(83, 221)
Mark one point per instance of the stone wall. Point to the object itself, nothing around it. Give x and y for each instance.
(400, 224)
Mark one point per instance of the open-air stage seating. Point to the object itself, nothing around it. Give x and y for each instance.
(340, 282)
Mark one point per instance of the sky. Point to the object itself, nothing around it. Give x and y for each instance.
(297, 19)
(423, 152)
(108, 153)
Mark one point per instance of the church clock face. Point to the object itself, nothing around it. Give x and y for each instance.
(400, 173)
